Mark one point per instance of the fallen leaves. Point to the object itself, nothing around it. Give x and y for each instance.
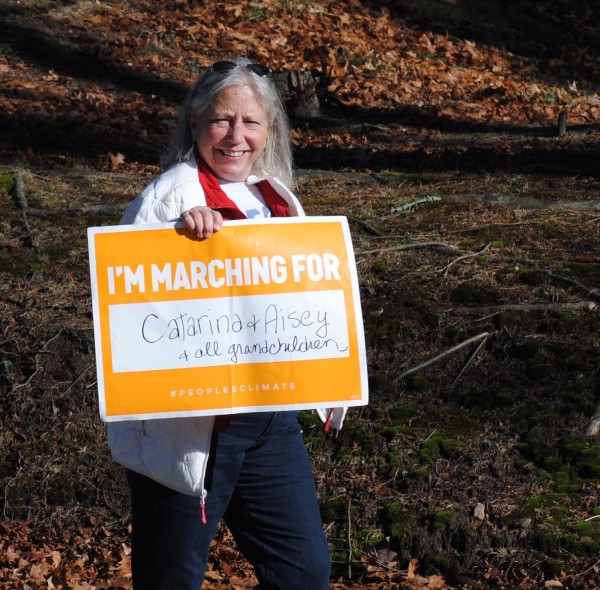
(61, 558)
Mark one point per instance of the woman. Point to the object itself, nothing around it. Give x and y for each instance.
(230, 159)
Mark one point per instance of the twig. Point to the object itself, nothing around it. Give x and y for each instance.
(579, 574)
(415, 246)
(349, 542)
(440, 356)
(444, 270)
(81, 374)
(498, 224)
(526, 307)
(366, 226)
(468, 361)
(538, 262)
(37, 368)
(594, 293)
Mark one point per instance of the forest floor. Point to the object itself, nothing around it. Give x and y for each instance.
(476, 228)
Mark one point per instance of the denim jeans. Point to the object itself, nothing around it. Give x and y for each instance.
(260, 482)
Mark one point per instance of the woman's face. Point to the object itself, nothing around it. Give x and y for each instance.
(232, 134)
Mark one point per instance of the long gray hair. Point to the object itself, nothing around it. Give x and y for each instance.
(276, 158)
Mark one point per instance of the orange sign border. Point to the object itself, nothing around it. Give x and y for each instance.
(225, 389)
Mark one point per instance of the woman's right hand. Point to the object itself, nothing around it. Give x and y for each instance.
(203, 222)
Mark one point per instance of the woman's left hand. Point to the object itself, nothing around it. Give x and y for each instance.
(203, 222)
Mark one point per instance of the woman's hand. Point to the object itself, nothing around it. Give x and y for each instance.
(203, 222)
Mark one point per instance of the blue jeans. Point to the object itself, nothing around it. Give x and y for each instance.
(260, 482)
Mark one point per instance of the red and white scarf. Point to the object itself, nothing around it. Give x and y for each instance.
(217, 199)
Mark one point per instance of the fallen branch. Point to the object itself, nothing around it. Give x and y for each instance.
(440, 356)
(594, 293)
(416, 246)
(469, 361)
(527, 307)
(412, 204)
(547, 261)
(444, 270)
(365, 226)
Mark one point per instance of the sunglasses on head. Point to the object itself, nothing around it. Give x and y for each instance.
(222, 67)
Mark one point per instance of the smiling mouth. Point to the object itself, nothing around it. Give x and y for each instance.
(232, 154)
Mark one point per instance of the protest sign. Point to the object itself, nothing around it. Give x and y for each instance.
(263, 315)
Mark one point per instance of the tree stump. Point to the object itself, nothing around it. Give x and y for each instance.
(562, 123)
(300, 91)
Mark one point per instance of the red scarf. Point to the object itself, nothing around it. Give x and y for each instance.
(218, 200)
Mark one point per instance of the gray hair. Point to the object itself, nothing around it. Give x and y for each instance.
(276, 158)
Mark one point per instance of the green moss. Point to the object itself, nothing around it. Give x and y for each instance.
(389, 433)
(403, 413)
(439, 445)
(553, 568)
(381, 267)
(585, 528)
(417, 382)
(377, 414)
(377, 381)
(441, 519)
(435, 410)
(399, 521)
(7, 182)
(388, 465)
(468, 244)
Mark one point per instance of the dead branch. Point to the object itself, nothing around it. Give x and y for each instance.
(548, 261)
(527, 307)
(440, 356)
(469, 361)
(369, 228)
(412, 204)
(594, 293)
(444, 270)
(416, 246)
